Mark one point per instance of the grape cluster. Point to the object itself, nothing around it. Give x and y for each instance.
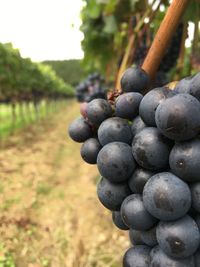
(147, 150)
(91, 88)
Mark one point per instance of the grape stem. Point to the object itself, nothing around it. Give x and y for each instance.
(164, 36)
(132, 41)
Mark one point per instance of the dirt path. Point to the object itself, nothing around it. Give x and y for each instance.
(49, 212)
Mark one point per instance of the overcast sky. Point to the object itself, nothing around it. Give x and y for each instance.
(42, 29)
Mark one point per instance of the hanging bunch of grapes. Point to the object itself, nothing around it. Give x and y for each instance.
(148, 155)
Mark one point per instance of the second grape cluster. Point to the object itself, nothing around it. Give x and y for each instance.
(147, 151)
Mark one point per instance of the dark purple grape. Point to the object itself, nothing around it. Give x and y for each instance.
(197, 220)
(195, 191)
(135, 237)
(160, 259)
(79, 130)
(135, 215)
(183, 86)
(178, 239)
(138, 180)
(98, 110)
(177, 117)
(137, 125)
(114, 130)
(127, 105)
(197, 258)
(90, 150)
(115, 162)
(166, 196)
(134, 80)
(138, 256)
(112, 195)
(149, 237)
(195, 86)
(151, 149)
(151, 101)
(184, 160)
(189, 85)
(117, 220)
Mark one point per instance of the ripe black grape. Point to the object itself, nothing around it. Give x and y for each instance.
(183, 86)
(138, 180)
(135, 237)
(166, 196)
(145, 144)
(178, 239)
(137, 256)
(115, 162)
(117, 220)
(98, 110)
(149, 237)
(184, 160)
(137, 125)
(112, 195)
(150, 102)
(189, 85)
(134, 80)
(160, 259)
(127, 105)
(177, 117)
(195, 191)
(195, 86)
(114, 129)
(135, 215)
(90, 150)
(79, 130)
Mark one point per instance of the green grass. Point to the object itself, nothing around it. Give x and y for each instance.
(8, 126)
(6, 258)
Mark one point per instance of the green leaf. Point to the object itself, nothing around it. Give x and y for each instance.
(110, 25)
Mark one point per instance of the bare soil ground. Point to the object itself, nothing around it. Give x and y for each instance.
(49, 212)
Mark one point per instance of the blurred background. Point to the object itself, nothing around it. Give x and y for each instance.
(54, 55)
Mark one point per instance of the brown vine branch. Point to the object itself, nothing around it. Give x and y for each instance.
(149, 13)
(164, 36)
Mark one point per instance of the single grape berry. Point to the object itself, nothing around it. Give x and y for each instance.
(151, 101)
(115, 162)
(114, 129)
(112, 195)
(138, 180)
(177, 117)
(184, 160)
(195, 191)
(98, 110)
(189, 85)
(197, 220)
(197, 258)
(151, 149)
(166, 196)
(117, 220)
(178, 239)
(183, 86)
(135, 237)
(195, 86)
(160, 259)
(137, 256)
(79, 130)
(149, 237)
(90, 150)
(134, 80)
(137, 125)
(127, 105)
(135, 215)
